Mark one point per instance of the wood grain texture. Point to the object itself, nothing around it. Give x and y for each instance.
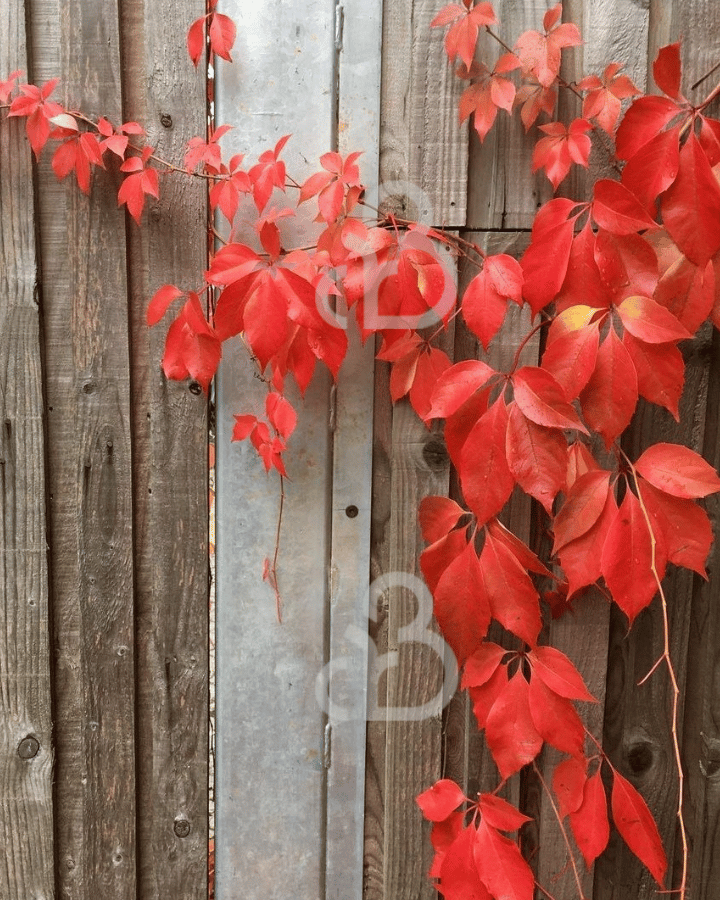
(423, 152)
(403, 756)
(26, 807)
(502, 192)
(636, 725)
(701, 729)
(86, 332)
(170, 473)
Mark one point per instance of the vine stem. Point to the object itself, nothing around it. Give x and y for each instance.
(270, 572)
(665, 657)
(566, 839)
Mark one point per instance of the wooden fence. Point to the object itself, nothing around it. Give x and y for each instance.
(103, 523)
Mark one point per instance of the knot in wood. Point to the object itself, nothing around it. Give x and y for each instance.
(166, 120)
(435, 455)
(28, 748)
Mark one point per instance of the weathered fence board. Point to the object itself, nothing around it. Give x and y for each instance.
(89, 439)
(103, 525)
(26, 810)
(169, 470)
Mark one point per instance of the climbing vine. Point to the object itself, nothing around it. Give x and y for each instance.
(614, 285)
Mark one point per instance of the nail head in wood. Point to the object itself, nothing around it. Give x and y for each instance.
(181, 828)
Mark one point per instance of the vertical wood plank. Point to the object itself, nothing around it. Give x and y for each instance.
(637, 719)
(502, 192)
(404, 754)
(423, 151)
(89, 433)
(360, 33)
(271, 774)
(26, 756)
(164, 91)
(701, 728)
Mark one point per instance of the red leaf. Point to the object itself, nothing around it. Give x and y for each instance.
(690, 205)
(501, 866)
(545, 261)
(484, 696)
(498, 813)
(667, 71)
(571, 358)
(522, 553)
(626, 559)
(483, 307)
(222, 35)
(583, 506)
(617, 210)
(461, 605)
(459, 879)
(540, 54)
(536, 456)
(582, 284)
(514, 601)
(456, 385)
(562, 147)
(558, 673)
(196, 40)
(485, 478)
(510, 732)
(642, 122)
(430, 366)
(542, 400)
(648, 321)
(482, 665)
(281, 414)
(589, 823)
(581, 558)
(440, 800)
(461, 423)
(684, 526)
(637, 827)
(162, 298)
(568, 783)
(438, 516)
(609, 398)
(660, 372)
(677, 470)
(555, 719)
(688, 291)
(627, 263)
(654, 167)
(435, 559)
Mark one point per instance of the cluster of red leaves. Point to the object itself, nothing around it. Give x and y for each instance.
(617, 281)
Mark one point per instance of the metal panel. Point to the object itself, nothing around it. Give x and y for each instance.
(270, 777)
(359, 128)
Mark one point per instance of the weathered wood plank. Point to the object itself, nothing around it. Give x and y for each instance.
(502, 192)
(701, 727)
(26, 756)
(358, 127)
(467, 758)
(404, 753)
(271, 775)
(167, 94)
(89, 426)
(637, 719)
(423, 151)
